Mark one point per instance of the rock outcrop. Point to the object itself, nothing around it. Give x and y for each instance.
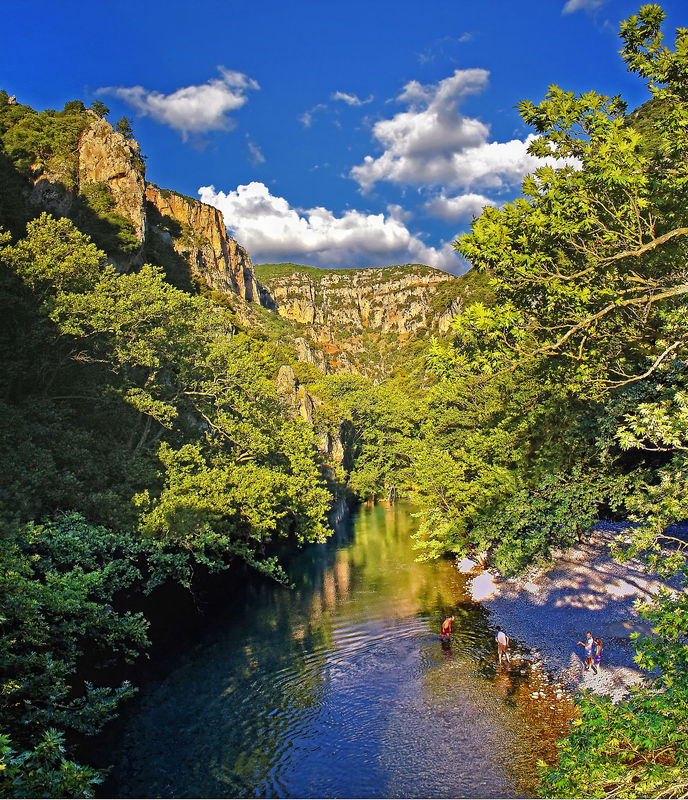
(108, 167)
(300, 403)
(111, 163)
(197, 232)
(108, 157)
(354, 321)
(387, 300)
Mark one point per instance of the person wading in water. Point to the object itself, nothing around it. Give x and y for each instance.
(446, 629)
(502, 645)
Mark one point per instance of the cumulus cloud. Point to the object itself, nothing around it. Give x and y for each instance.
(272, 230)
(451, 209)
(192, 109)
(351, 99)
(581, 5)
(433, 144)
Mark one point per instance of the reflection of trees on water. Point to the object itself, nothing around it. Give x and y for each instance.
(287, 681)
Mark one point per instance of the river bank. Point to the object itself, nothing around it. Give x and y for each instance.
(550, 609)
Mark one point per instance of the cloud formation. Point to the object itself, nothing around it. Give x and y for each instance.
(581, 5)
(351, 99)
(307, 117)
(192, 109)
(451, 209)
(272, 230)
(256, 156)
(432, 144)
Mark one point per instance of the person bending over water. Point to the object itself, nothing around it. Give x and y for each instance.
(502, 645)
(445, 632)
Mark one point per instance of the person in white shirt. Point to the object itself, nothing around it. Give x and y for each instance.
(588, 645)
(502, 645)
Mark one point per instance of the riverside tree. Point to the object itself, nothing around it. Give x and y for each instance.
(142, 440)
(588, 270)
(579, 379)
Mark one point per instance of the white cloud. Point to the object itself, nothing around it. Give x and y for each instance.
(433, 144)
(256, 156)
(307, 117)
(351, 99)
(463, 206)
(193, 109)
(581, 5)
(272, 230)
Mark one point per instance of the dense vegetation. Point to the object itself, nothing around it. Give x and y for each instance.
(142, 441)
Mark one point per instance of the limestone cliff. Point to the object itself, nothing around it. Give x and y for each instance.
(299, 402)
(107, 157)
(106, 177)
(357, 320)
(387, 300)
(102, 187)
(197, 233)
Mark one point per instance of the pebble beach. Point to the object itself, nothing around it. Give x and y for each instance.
(547, 611)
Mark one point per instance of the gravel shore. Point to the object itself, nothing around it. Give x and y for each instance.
(549, 610)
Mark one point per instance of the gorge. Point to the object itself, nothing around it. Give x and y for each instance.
(176, 419)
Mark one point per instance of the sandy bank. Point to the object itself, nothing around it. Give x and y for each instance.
(549, 611)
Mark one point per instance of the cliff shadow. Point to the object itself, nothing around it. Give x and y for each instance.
(159, 250)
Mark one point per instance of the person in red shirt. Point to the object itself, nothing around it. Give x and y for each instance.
(445, 632)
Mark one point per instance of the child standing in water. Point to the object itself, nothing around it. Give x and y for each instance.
(446, 629)
(597, 657)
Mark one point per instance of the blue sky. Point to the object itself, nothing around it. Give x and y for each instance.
(335, 134)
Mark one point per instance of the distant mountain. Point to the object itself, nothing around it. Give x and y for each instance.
(361, 320)
(73, 163)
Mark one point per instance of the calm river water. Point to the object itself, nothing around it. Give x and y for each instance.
(341, 688)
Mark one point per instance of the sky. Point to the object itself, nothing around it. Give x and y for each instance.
(347, 134)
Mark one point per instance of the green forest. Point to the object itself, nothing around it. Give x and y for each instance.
(143, 440)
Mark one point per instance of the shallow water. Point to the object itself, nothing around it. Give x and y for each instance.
(341, 688)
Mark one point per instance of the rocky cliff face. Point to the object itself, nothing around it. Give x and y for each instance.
(109, 168)
(299, 403)
(107, 157)
(109, 163)
(197, 232)
(352, 320)
(387, 300)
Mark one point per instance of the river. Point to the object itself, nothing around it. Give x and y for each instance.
(340, 687)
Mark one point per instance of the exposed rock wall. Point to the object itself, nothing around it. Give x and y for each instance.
(103, 157)
(106, 156)
(353, 321)
(203, 241)
(196, 231)
(387, 300)
(297, 400)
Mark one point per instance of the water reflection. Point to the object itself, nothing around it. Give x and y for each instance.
(341, 688)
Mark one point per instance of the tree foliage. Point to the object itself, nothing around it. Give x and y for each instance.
(142, 440)
(568, 393)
